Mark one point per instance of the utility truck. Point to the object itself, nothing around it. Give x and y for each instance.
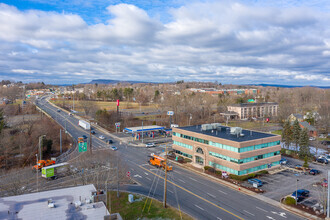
(42, 163)
(158, 162)
(51, 172)
(84, 124)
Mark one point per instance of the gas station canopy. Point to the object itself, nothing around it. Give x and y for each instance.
(144, 128)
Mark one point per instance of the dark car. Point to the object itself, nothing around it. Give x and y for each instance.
(256, 181)
(322, 160)
(58, 110)
(93, 132)
(314, 172)
(109, 141)
(300, 194)
(84, 136)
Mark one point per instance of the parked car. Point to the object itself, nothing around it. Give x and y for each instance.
(257, 181)
(150, 145)
(114, 148)
(58, 110)
(300, 194)
(109, 141)
(314, 172)
(312, 138)
(283, 161)
(101, 137)
(298, 167)
(84, 136)
(93, 132)
(322, 160)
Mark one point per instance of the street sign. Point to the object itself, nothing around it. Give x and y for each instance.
(117, 123)
(82, 146)
(128, 174)
(170, 113)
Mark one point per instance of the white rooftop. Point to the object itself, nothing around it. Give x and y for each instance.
(144, 128)
(35, 205)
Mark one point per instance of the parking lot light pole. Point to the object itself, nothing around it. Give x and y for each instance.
(37, 173)
(328, 202)
(297, 191)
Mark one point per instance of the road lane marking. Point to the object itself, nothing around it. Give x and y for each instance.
(177, 172)
(248, 212)
(146, 173)
(219, 218)
(205, 200)
(181, 180)
(222, 192)
(261, 209)
(199, 207)
(193, 179)
(148, 178)
(170, 191)
(211, 195)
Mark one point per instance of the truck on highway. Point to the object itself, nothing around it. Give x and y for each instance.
(42, 163)
(159, 162)
(84, 124)
(51, 172)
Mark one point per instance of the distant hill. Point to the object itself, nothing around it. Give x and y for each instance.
(110, 81)
(287, 86)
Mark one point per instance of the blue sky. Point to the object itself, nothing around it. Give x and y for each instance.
(239, 42)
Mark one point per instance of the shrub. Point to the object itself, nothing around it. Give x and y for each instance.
(207, 167)
(290, 201)
(282, 151)
(187, 160)
(242, 178)
(218, 172)
(263, 172)
(306, 162)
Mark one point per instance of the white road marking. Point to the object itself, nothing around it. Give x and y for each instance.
(210, 195)
(170, 191)
(282, 214)
(146, 173)
(248, 212)
(219, 218)
(137, 175)
(270, 218)
(193, 179)
(222, 192)
(148, 178)
(181, 180)
(199, 207)
(261, 209)
(144, 164)
(177, 172)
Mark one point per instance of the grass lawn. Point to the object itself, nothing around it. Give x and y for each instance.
(279, 132)
(249, 124)
(134, 210)
(106, 105)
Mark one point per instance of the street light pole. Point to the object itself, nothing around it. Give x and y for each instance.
(37, 173)
(165, 180)
(60, 141)
(328, 202)
(142, 131)
(40, 150)
(297, 191)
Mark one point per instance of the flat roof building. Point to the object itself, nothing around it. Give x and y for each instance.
(230, 149)
(54, 204)
(258, 110)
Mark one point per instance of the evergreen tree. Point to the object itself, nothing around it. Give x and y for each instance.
(287, 134)
(296, 133)
(304, 144)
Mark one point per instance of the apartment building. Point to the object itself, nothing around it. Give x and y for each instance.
(257, 110)
(230, 149)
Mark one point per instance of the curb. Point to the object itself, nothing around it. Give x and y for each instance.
(299, 212)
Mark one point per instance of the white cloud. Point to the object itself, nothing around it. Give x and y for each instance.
(223, 40)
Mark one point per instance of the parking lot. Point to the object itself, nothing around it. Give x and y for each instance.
(284, 183)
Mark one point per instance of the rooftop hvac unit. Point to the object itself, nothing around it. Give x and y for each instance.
(206, 127)
(236, 131)
(215, 125)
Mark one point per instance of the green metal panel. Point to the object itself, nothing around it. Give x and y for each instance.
(82, 146)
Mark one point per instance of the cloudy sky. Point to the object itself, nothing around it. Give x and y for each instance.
(240, 42)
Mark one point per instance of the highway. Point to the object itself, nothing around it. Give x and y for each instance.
(194, 194)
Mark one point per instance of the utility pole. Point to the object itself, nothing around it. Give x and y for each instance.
(165, 183)
(297, 191)
(328, 202)
(40, 150)
(90, 138)
(60, 141)
(37, 173)
(117, 177)
(142, 131)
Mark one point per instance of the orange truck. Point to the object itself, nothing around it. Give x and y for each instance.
(158, 162)
(43, 163)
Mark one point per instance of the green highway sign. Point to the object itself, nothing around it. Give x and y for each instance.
(82, 146)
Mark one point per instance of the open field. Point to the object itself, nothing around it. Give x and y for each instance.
(110, 106)
(142, 209)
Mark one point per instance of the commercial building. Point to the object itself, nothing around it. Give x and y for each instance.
(68, 203)
(258, 110)
(230, 149)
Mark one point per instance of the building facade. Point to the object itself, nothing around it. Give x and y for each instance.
(258, 110)
(237, 153)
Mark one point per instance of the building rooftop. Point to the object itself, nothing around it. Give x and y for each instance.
(144, 128)
(35, 205)
(254, 104)
(224, 133)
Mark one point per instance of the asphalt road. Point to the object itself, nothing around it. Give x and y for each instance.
(196, 195)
